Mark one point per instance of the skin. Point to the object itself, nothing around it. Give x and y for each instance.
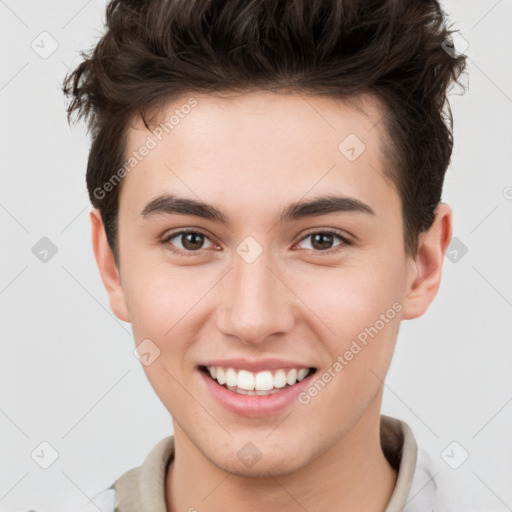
(251, 155)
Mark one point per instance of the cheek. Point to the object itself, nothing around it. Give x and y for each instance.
(166, 306)
(158, 297)
(362, 313)
(357, 310)
(163, 304)
(349, 299)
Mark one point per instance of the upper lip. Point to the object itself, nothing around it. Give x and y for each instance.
(255, 365)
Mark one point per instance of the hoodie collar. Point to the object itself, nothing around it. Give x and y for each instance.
(142, 489)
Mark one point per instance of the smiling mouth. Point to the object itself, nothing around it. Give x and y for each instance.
(261, 383)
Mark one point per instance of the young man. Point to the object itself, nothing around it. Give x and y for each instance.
(266, 180)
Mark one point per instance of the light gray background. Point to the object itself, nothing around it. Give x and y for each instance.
(68, 375)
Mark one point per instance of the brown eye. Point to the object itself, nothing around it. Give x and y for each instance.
(322, 241)
(192, 241)
(187, 241)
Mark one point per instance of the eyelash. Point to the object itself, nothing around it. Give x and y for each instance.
(345, 241)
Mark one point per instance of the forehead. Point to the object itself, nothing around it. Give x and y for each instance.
(258, 148)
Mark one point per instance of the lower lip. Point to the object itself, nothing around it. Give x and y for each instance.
(254, 405)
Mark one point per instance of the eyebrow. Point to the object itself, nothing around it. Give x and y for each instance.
(169, 204)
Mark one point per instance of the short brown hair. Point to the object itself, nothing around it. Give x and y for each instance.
(154, 51)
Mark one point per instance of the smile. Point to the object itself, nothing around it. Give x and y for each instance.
(260, 383)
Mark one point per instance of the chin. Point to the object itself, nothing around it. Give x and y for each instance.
(259, 459)
(276, 465)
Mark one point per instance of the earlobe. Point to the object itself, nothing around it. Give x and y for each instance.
(107, 266)
(424, 282)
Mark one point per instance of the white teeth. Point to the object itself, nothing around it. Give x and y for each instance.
(221, 378)
(291, 377)
(261, 383)
(245, 380)
(280, 379)
(264, 381)
(245, 392)
(231, 378)
(302, 373)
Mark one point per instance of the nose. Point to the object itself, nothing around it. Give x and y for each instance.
(256, 303)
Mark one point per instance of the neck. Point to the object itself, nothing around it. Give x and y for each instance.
(339, 479)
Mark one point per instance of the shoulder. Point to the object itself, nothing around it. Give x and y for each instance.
(138, 485)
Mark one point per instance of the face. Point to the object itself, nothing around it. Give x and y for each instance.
(259, 282)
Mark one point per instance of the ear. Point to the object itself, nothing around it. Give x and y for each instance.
(108, 267)
(424, 282)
